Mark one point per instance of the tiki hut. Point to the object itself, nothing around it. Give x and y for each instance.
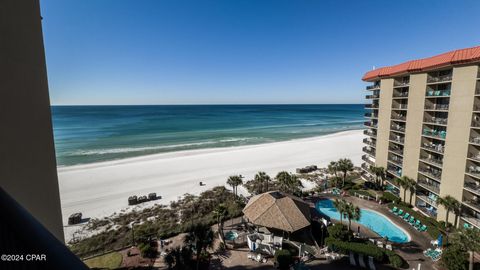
(276, 210)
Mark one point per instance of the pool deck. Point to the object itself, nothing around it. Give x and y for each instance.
(412, 251)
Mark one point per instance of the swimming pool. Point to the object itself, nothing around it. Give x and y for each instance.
(370, 219)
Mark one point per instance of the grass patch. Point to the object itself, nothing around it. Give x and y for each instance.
(108, 261)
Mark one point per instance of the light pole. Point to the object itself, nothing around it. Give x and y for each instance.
(133, 232)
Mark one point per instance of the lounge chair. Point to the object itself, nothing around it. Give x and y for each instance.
(394, 209)
(406, 216)
(352, 259)
(379, 244)
(371, 265)
(417, 224)
(389, 247)
(423, 228)
(400, 212)
(411, 220)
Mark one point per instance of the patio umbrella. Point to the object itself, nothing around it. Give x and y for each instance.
(439, 240)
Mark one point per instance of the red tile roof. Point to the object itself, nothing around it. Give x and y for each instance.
(456, 57)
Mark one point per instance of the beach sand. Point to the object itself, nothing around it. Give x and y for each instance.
(101, 189)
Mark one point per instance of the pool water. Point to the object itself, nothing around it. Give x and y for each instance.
(370, 219)
(231, 235)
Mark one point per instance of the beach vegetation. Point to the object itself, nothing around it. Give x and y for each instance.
(345, 166)
(284, 258)
(198, 239)
(339, 231)
(261, 183)
(352, 212)
(333, 168)
(234, 181)
(451, 205)
(288, 183)
(220, 213)
(454, 257)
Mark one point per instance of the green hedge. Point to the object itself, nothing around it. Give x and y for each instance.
(432, 224)
(389, 197)
(359, 248)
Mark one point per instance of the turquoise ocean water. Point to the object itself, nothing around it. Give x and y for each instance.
(87, 134)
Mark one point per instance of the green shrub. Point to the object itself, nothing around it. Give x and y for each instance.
(359, 248)
(394, 259)
(340, 232)
(284, 258)
(389, 197)
(454, 258)
(147, 250)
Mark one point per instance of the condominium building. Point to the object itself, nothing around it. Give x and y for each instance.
(423, 122)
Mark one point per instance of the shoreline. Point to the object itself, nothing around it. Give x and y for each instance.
(101, 189)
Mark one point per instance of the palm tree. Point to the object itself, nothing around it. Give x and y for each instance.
(220, 213)
(468, 239)
(352, 212)
(288, 183)
(450, 204)
(199, 238)
(344, 165)
(234, 181)
(333, 168)
(169, 260)
(406, 183)
(262, 178)
(379, 173)
(340, 205)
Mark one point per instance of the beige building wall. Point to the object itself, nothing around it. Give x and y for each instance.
(27, 157)
(413, 130)
(384, 113)
(458, 133)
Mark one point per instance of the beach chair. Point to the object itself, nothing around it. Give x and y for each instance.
(400, 212)
(352, 259)
(417, 224)
(423, 228)
(406, 216)
(371, 265)
(389, 247)
(411, 220)
(394, 209)
(379, 244)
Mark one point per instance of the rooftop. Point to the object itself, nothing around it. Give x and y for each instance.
(456, 57)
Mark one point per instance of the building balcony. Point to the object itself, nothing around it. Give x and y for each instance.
(472, 187)
(429, 186)
(397, 139)
(396, 151)
(475, 124)
(438, 162)
(399, 117)
(434, 133)
(370, 124)
(370, 133)
(476, 108)
(373, 87)
(437, 93)
(397, 127)
(437, 148)
(371, 115)
(434, 174)
(427, 210)
(439, 79)
(474, 156)
(475, 140)
(396, 160)
(369, 151)
(472, 203)
(367, 177)
(430, 199)
(369, 142)
(400, 94)
(436, 107)
(371, 106)
(368, 160)
(472, 220)
(399, 106)
(435, 121)
(394, 170)
(372, 96)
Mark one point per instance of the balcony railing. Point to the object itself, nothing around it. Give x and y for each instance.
(475, 204)
(368, 142)
(372, 96)
(435, 120)
(399, 106)
(399, 117)
(368, 177)
(439, 134)
(438, 93)
(434, 174)
(437, 148)
(429, 211)
(471, 219)
(368, 160)
(371, 87)
(436, 107)
(397, 151)
(397, 139)
(475, 140)
(473, 170)
(436, 79)
(475, 156)
(473, 187)
(394, 170)
(430, 160)
(430, 199)
(429, 186)
(400, 94)
(370, 133)
(397, 83)
(396, 160)
(371, 106)
(370, 124)
(397, 128)
(476, 124)
(369, 151)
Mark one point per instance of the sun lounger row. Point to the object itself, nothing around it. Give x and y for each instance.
(409, 218)
(435, 254)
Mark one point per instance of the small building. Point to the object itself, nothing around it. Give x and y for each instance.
(142, 199)
(152, 196)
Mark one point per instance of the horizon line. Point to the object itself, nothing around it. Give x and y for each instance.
(208, 104)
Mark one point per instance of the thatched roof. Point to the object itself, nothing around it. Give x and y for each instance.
(278, 211)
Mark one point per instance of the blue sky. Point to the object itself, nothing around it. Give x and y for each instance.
(239, 52)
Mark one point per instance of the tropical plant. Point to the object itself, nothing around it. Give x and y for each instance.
(288, 183)
(234, 181)
(220, 213)
(450, 204)
(199, 238)
(345, 165)
(352, 212)
(406, 183)
(454, 258)
(263, 179)
(341, 206)
(283, 258)
(468, 240)
(333, 168)
(379, 173)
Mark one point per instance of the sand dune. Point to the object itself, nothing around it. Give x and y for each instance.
(101, 189)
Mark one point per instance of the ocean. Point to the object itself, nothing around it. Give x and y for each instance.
(87, 134)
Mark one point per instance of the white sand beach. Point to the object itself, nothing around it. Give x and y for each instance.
(100, 189)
